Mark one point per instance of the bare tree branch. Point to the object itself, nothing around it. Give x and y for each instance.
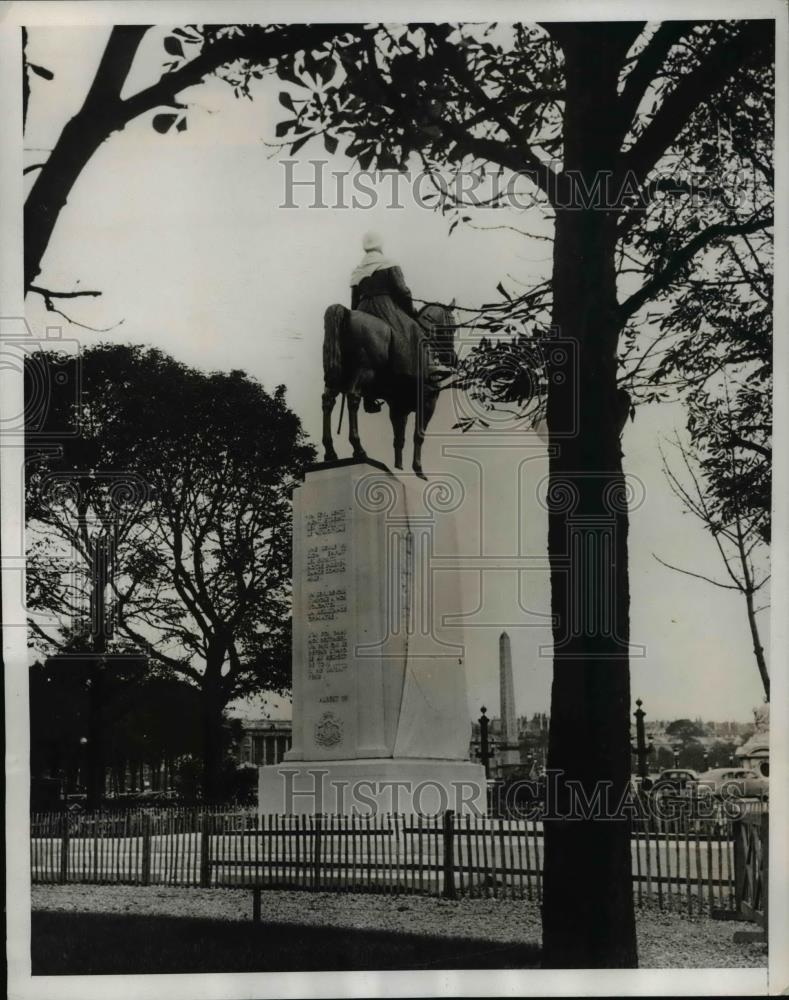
(699, 576)
(680, 258)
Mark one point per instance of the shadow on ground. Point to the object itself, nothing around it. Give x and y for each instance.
(114, 944)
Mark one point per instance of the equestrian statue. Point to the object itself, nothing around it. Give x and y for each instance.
(382, 350)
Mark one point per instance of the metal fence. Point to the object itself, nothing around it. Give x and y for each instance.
(677, 864)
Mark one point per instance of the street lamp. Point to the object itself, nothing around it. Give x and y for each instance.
(640, 749)
(82, 765)
(486, 743)
(675, 750)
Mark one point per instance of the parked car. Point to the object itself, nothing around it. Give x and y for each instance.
(676, 779)
(741, 782)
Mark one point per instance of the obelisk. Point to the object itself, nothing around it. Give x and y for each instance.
(509, 756)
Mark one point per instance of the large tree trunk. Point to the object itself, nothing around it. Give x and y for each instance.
(95, 777)
(212, 725)
(79, 140)
(100, 115)
(97, 668)
(588, 915)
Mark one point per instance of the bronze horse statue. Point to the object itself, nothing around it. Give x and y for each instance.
(362, 360)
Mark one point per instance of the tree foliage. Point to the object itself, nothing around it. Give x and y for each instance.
(685, 729)
(693, 195)
(177, 485)
(147, 718)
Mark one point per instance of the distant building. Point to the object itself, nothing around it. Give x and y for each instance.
(534, 726)
(725, 729)
(265, 741)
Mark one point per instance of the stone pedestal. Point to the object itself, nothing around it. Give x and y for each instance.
(379, 693)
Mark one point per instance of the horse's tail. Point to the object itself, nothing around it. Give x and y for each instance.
(334, 320)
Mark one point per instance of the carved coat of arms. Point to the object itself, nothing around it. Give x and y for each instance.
(328, 730)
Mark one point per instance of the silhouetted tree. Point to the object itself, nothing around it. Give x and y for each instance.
(737, 532)
(143, 719)
(177, 485)
(223, 49)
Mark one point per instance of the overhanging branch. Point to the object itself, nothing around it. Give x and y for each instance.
(680, 258)
(257, 46)
(717, 67)
(643, 73)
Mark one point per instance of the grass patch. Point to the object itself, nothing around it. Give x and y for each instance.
(124, 944)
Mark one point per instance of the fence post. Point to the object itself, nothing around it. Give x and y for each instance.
(738, 826)
(765, 854)
(449, 854)
(205, 850)
(96, 822)
(316, 873)
(146, 849)
(64, 849)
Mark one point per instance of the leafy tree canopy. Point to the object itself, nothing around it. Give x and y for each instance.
(169, 509)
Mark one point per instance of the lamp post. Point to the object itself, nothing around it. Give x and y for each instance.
(82, 765)
(675, 750)
(640, 749)
(485, 743)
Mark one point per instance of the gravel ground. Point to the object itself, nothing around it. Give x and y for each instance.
(665, 940)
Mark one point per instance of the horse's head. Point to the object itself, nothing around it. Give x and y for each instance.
(440, 322)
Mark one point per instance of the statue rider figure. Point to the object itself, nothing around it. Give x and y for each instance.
(378, 288)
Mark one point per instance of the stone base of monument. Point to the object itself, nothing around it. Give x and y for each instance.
(380, 715)
(372, 787)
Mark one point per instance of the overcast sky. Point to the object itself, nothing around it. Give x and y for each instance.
(184, 236)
